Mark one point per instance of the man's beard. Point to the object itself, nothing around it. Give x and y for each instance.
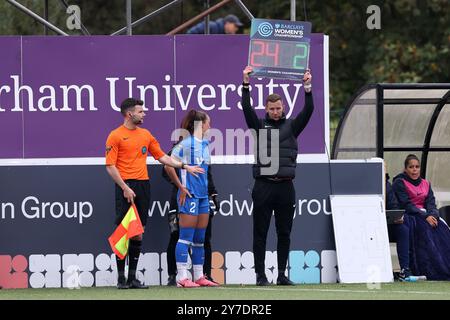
(137, 121)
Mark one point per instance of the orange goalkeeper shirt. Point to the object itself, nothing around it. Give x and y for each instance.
(127, 150)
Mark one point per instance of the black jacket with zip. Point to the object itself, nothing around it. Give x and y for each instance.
(289, 130)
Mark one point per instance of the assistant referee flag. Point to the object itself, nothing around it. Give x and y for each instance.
(130, 226)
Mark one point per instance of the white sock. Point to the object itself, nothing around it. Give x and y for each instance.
(182, 271)
(198, 271)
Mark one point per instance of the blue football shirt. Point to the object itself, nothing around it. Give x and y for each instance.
(194, 152)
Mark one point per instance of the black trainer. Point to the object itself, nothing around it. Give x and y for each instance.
(284, 281)
(405, 275)
(261, 280)
(172, 280)
(122, 284)
(136, 284)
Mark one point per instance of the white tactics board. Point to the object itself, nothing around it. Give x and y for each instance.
(362, 244)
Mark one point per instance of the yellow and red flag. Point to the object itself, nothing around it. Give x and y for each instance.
(130, 226)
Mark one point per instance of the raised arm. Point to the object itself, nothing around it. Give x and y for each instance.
(299, 123)
(249, 113)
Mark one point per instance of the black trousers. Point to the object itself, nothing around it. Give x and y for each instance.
(271, 196)
(175, 234)
(142, 201)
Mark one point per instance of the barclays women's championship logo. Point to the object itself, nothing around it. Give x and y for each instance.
(265, 29)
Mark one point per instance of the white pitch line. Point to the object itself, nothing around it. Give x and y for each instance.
(339, 290)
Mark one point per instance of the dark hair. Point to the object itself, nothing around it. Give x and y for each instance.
(181, 134)
(273, 98)
(129, 103)
(191, 117)
(409, 158)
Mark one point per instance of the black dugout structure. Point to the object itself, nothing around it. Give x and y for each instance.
(390, 121)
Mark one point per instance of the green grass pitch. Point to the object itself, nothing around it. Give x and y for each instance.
(426, 290)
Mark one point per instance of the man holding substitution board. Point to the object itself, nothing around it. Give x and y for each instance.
(274, 57)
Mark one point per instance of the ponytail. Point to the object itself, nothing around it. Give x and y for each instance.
(191, 117)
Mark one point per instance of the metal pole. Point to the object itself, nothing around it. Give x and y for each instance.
(207, 17)
(46, 16)
(129, 28)
(380, 121)
(147, 17)
(430, 131)
(198, 17)
(293, 15)
(37, 17)
(244, 9)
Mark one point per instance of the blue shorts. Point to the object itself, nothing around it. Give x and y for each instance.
(194, 206)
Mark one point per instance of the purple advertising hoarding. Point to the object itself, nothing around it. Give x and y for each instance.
(59, 96)
(11, 125)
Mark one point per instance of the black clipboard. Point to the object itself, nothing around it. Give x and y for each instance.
(394, 215)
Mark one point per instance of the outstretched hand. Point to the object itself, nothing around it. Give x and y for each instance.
(183, 193)
(307, 79)
(129, 194)
(246, 72)
(194, 170)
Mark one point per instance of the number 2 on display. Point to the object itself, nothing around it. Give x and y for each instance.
(263, 51)
(300, 56)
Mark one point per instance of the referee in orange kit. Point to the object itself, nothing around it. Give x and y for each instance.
(126, 163)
